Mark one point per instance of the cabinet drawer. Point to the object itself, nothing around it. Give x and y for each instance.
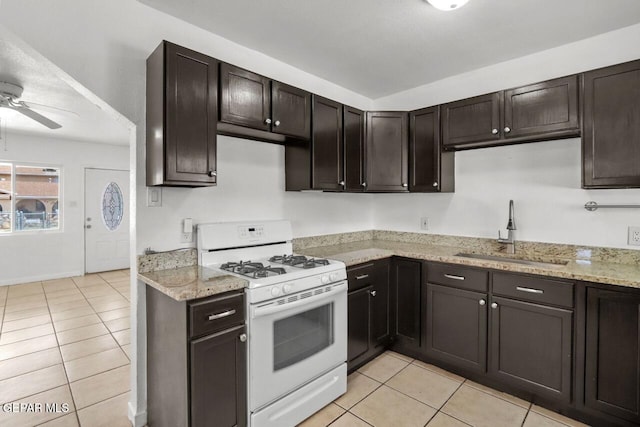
(533, 289)
(460, 277)
(216, 314)
(361, 275)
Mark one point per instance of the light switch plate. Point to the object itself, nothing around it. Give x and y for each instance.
(154, 197)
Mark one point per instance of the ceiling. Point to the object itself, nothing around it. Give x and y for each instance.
(377, 48)
(86, 122)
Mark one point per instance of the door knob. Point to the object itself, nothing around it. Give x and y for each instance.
(482, 302)
(507, 129)
(277, 123)
(364, 184)
(267, 121)
(212, 173)
(243, 337)
(435, 184)
(494, 131)
(494, 305)
(404, 184)
(373, 293)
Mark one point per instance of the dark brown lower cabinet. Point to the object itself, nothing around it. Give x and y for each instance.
(612, 382)
(456, 327)
(196, 367)
(406, 285)
(531, 347)
(368, 312)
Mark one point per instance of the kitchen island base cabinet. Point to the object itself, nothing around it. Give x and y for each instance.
(196, 367)
(612, 381)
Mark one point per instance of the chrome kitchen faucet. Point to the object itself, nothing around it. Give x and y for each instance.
(511, 226)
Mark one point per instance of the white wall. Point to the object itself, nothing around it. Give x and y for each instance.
(31, 256)
(542, 178)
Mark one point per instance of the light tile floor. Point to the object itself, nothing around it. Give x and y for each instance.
(66, 341)
(394, 390)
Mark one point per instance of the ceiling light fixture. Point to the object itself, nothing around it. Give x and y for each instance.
(447, 5)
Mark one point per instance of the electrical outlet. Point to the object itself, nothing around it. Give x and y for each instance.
(424, 223)
(634, 236)
(186, 237)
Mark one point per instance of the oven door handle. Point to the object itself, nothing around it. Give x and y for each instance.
(275, 308)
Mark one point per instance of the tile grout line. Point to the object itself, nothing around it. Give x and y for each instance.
(64, 367)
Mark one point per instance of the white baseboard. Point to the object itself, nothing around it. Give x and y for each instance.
(137, 419)
(29, 279)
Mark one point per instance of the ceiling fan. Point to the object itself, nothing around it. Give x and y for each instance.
(9, 98)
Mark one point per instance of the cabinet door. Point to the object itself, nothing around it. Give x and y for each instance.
(245, 98)
(387, 150)
(327, 145)
(354, 149)
(380, 330)
(611, 139)
(472, 120)
(407, 280)
(457, 327)
(291, 110)
(612, 380)
(531, 347)
(219, 379)
(424, 150)
(358, 334)
(191, 91)
(548, 109)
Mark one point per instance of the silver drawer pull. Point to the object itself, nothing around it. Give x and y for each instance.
(221, 315)
(530, 290)
(362, 276)
(454, 277)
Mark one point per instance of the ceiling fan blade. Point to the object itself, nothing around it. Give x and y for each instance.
(43, 107)
(37, 117)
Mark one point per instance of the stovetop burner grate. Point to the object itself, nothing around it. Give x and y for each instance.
(252, 269)
(300, 261)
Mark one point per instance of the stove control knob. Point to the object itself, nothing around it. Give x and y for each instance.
(333, 277)
(275, 291)
(324, 279)
(287, 288)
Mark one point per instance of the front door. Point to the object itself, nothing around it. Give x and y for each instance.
(106, 227)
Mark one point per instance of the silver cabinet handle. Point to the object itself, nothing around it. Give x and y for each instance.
(277, 123)
(454, 277)
(364, 184)
(373, 293)
(243, 337)
(341, 183)
(404, 184)
(530, 290)
(494, 131)
(267, 121)
(435, 184)
(482, 302)
(212, 173)
(362, 276)
(507, 129)
(494, 305)
(221, 315)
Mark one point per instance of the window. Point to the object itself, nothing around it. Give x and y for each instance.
(29, 198)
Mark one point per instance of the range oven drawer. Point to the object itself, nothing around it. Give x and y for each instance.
(215, 314)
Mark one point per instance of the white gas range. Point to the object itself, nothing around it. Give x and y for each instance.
(297, 318)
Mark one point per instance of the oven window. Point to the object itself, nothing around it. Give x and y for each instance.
(302, 335)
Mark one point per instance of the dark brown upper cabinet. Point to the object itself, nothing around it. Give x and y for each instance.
(546, 110)
(254, 106)
(430, 170)
(611, 139)
(354, 149)
(182, 102)
(327, 145)
(387, 151)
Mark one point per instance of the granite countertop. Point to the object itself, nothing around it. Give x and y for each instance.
(577, 269)
(191, 282)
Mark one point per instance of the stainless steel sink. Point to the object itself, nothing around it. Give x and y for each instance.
(554, 264)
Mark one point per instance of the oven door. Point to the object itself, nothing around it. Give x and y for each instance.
(294, 340)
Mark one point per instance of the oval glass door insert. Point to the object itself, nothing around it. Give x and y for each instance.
(112, 206)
